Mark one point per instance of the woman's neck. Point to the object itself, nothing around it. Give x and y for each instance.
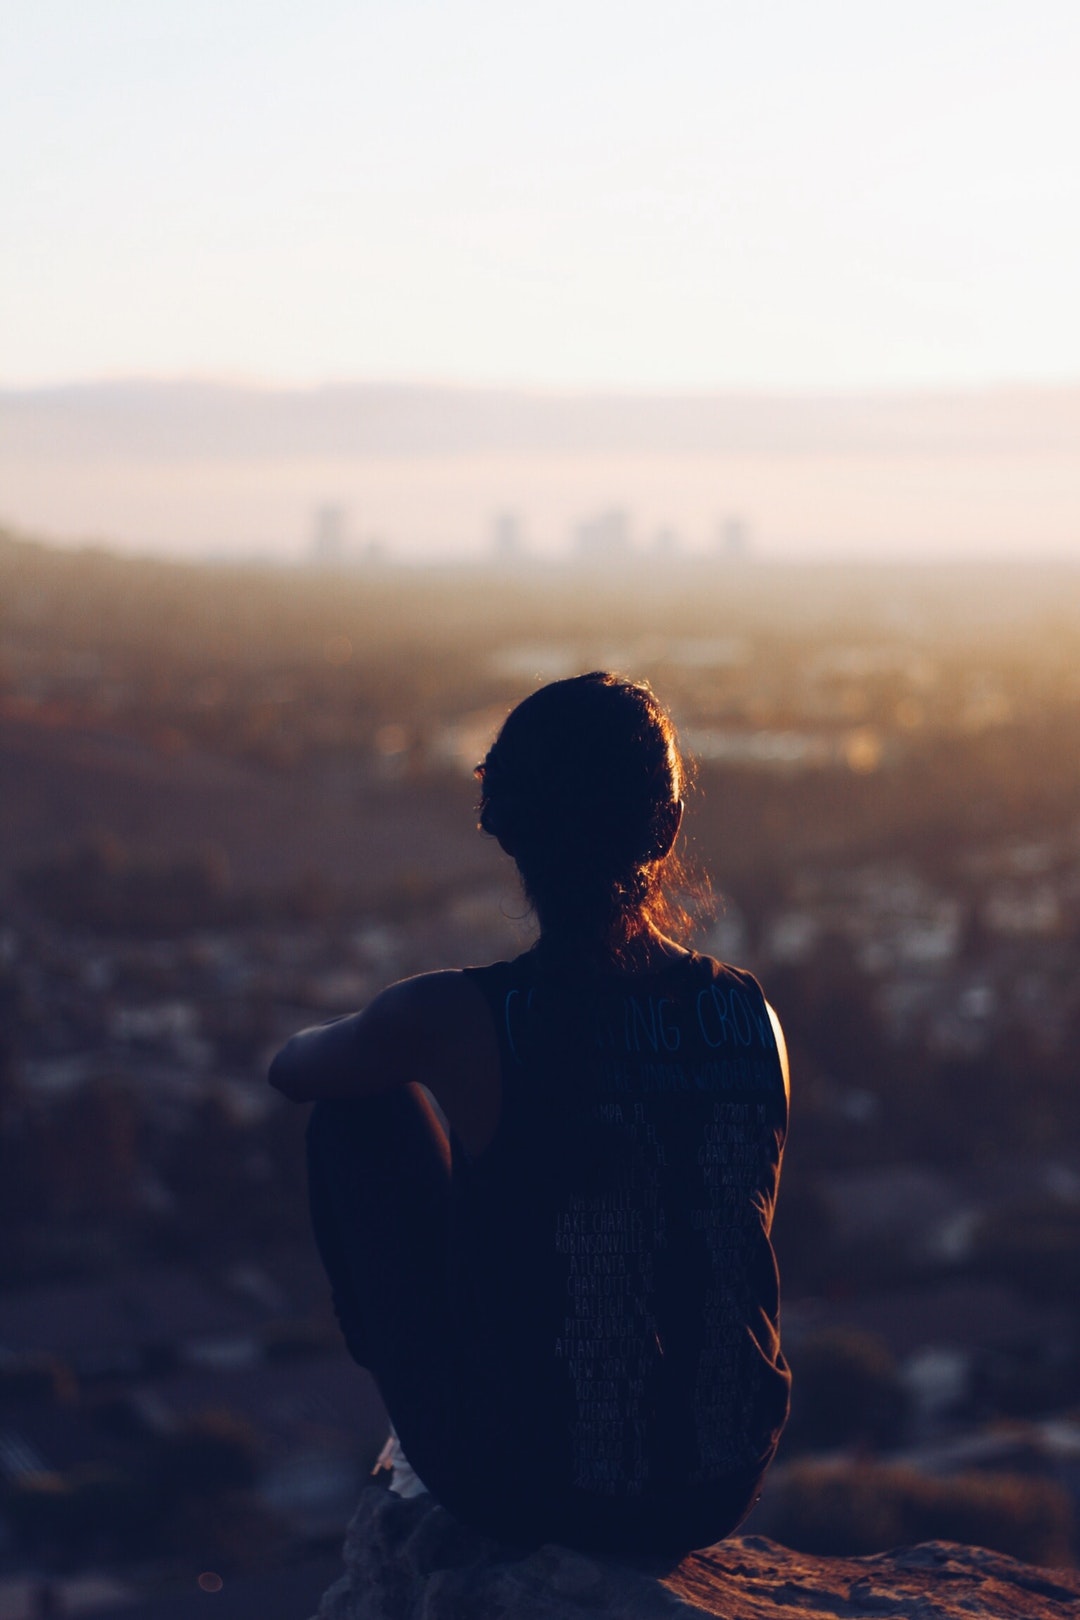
(645, 951)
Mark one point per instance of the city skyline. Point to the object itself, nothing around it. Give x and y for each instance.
(194, 470)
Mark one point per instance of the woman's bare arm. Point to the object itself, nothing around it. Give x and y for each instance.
(434, 1030)
(781, 1047)
(407, 1033)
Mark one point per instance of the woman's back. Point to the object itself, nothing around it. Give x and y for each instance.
(616, 1287)
(572, 1314)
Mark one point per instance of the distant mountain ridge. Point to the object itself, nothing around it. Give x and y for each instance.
(196, 420)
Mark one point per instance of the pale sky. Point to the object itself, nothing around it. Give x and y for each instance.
(771, 194)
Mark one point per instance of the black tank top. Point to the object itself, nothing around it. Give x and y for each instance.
(615, 1279)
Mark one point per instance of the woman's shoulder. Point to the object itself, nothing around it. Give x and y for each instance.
(718, 969)
(746, 981)
(436, 1002)
(449, 1009)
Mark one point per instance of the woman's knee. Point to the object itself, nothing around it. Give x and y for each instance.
(325, 1121)
(327, 1131)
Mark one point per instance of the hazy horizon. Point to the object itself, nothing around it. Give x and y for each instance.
(197, 468)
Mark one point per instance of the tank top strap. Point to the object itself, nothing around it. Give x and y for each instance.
(508, 989)
(749, 999)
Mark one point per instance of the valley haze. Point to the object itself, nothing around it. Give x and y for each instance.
(201, 468)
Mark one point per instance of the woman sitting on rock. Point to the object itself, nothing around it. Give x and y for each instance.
(569, 1302)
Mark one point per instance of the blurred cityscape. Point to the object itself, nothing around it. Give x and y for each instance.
(606, 537)
(238, 800)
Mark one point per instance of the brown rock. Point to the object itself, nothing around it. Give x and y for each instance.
(409, 1560)
(749, 1578)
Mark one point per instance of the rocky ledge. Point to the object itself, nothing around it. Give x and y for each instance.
(409, 1560)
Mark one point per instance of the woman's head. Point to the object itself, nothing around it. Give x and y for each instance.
(583, 787)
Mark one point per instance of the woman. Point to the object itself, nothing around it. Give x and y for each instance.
(570, 1302)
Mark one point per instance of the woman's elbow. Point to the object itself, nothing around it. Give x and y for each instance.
(286, 1073)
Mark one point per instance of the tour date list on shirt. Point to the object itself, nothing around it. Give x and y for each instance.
(686, 1097)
